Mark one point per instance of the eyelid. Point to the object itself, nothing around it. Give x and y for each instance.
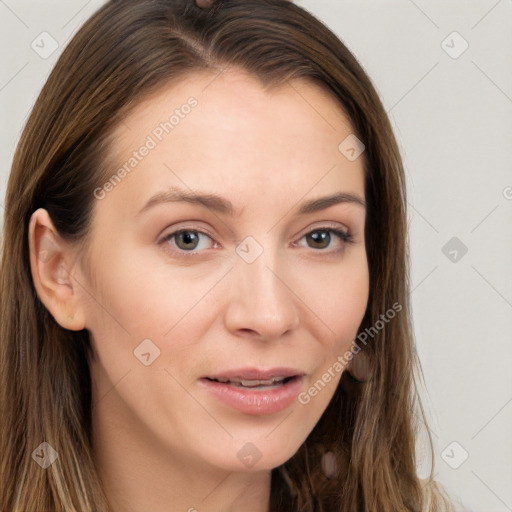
(183, 226)
(325, 226)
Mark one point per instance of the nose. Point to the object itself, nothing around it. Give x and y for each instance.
(262, 303)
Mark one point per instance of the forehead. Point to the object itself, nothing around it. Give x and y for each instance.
(226, 133)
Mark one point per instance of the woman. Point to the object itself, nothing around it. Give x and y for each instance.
(204, 275)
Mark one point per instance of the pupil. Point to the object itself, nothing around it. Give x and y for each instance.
(188, 237)
(319, 237)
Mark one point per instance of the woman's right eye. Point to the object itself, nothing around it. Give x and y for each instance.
(187, 240)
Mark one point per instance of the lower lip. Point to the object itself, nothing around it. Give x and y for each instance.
(254, 401)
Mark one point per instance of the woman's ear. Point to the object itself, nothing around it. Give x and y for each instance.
(51, 263)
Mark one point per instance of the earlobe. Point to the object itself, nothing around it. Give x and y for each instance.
(51, 264)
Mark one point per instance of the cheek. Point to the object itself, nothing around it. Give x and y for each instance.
(341, 301)
(136, 295)
(344, 313)
(342, 308)
(170, 307)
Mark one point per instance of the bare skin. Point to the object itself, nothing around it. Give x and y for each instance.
(162, 440)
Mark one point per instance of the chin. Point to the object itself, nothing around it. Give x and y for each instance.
(255, 453)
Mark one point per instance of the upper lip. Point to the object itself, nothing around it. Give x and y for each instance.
(255, 373)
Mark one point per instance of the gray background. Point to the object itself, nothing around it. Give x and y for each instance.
(451, 110)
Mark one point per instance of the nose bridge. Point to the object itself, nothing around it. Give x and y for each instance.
(260, 299)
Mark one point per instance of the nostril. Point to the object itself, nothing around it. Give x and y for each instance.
(248, 331)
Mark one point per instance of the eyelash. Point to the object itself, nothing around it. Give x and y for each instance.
(345, 237)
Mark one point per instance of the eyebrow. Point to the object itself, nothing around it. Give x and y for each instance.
(221, 205)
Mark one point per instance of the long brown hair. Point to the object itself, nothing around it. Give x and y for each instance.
(126, 51)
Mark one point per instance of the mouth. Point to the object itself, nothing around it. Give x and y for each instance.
(254, 391)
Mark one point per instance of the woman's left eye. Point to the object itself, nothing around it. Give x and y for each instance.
(188, 240)
(321, 238)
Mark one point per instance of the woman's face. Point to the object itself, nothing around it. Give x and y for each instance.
(194, 332)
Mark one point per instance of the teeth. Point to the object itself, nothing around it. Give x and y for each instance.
(251, 383)
(254, 383)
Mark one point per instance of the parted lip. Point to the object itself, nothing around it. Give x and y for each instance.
(255, 373)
